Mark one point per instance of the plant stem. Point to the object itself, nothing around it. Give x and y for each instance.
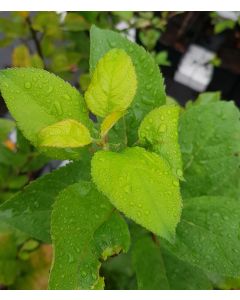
(35, 39)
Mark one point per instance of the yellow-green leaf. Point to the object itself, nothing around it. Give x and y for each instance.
(141, 185)
(159, 132)
(113, 85)
(110, 121)
(64, 134)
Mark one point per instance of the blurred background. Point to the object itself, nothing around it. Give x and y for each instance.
(196, 52)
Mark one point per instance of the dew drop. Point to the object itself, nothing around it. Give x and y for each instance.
(27, 85)
(58, 108)
(84, 274)
(70, 258)
(179, 173)
(175, 182)
(67, 97)
(50, 89)
(162, 128)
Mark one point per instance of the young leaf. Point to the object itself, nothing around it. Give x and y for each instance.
(159, 132)
(208, 235)
(30, 210)
(149, 266)
(85, 228)
(209, 138)
(110, 121)
(113, 84)
(140, 184)
(37, 99)
(64, 134)
(150, 88)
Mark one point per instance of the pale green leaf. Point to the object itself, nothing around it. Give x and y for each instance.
(30, 210)
(37, 99)
(210, 144)
(208, 235)
(85, 228)
(159, 132)
(110, 121)
(64, 134)
(150, 87)
(140, 184)
(113, 84)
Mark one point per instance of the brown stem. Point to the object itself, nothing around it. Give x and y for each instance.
(35, 39)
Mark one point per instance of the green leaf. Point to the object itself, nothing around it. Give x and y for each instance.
(67, 133)
(140, 184)
(30, 210)
(149, 38)
(208, 235)
(84, 81)
(159, 132)
(37, 62)
(167, 271)
(9, 267)
(113, 84)
(37, 99)
(75, 22)
(208, 97)
(209, 138)
(118, 273)
(85, 229)
(123, 15)
(223, 25)
(162, 58)
(183, 276)
(6, 126)
(150, 89)
(149, 266)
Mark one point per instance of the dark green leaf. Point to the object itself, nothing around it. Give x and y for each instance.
(209, 139)
(30, 210)
(148, 264)
(208, 235)
(85, 229)
(183, 276)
